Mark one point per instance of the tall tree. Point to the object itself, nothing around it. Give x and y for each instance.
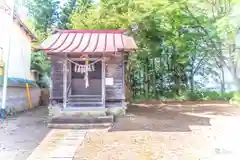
(221, 28)
(44, 14)
(156, 21)
(65, 13)
(179, 41)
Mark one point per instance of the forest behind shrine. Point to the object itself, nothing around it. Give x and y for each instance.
(187, 49)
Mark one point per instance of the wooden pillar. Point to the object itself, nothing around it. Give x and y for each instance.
(70, 78)
(123, 76)
(65, 82)
(103, 81)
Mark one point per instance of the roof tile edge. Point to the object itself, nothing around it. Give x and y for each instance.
(120, 31)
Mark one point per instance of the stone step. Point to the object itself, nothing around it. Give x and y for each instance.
(76, 119)
(85, 99)
(80, 102)
(85, 96)
(79, 126)
(75, 105)
(84, 111)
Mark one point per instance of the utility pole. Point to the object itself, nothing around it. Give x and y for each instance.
(6, 63)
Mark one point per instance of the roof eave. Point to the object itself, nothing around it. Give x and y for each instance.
(25, 28)
(127, 49)
(48, 52)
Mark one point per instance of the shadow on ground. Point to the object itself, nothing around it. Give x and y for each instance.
(172, 117)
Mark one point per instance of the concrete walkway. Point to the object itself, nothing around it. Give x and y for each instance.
(59, 144)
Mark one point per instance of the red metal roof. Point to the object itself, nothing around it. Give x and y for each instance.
(88, 41)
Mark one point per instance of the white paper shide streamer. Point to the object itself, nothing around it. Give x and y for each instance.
(84, 69)
(86, 76)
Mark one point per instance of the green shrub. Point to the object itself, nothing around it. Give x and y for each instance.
(205, 95)
(227, 95)
(190, 95)
(195, 95)
(211, 95)
(236, 98)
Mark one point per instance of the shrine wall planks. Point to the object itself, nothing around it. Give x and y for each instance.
(114, 69)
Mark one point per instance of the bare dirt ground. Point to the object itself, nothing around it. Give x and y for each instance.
(21, 134)
(172, 131)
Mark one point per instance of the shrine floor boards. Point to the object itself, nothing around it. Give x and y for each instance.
(59, 144)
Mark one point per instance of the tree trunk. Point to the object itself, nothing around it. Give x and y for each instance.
(154, 79)
(146, 78)
(128, 92)
(222, 81)
(191, 83)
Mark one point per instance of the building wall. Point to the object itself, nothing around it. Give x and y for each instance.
(19, 66)
(114, 70)
(114, 94)
(57, 78)
(20, 48)
(17, 98)
(20, 54)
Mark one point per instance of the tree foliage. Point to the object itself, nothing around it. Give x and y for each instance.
(43, 17)
(183, 44)
(44, 14)
(65, 13)
(40, 62)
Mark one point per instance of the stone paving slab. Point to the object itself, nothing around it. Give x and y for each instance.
(59, 144)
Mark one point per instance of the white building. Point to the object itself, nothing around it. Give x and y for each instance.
(19, 59)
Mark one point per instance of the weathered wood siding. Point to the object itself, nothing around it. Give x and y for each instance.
(57, 77)
(115, 93)
(114, 69)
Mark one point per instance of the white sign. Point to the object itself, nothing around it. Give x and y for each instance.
(109, 81)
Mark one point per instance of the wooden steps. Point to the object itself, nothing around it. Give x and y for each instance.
(84, 101)
(84, 111)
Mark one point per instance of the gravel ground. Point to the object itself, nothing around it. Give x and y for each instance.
(148, 132)
(167, 132)
(21, 134)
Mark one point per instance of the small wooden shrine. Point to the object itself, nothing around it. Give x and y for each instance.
(87, 70)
